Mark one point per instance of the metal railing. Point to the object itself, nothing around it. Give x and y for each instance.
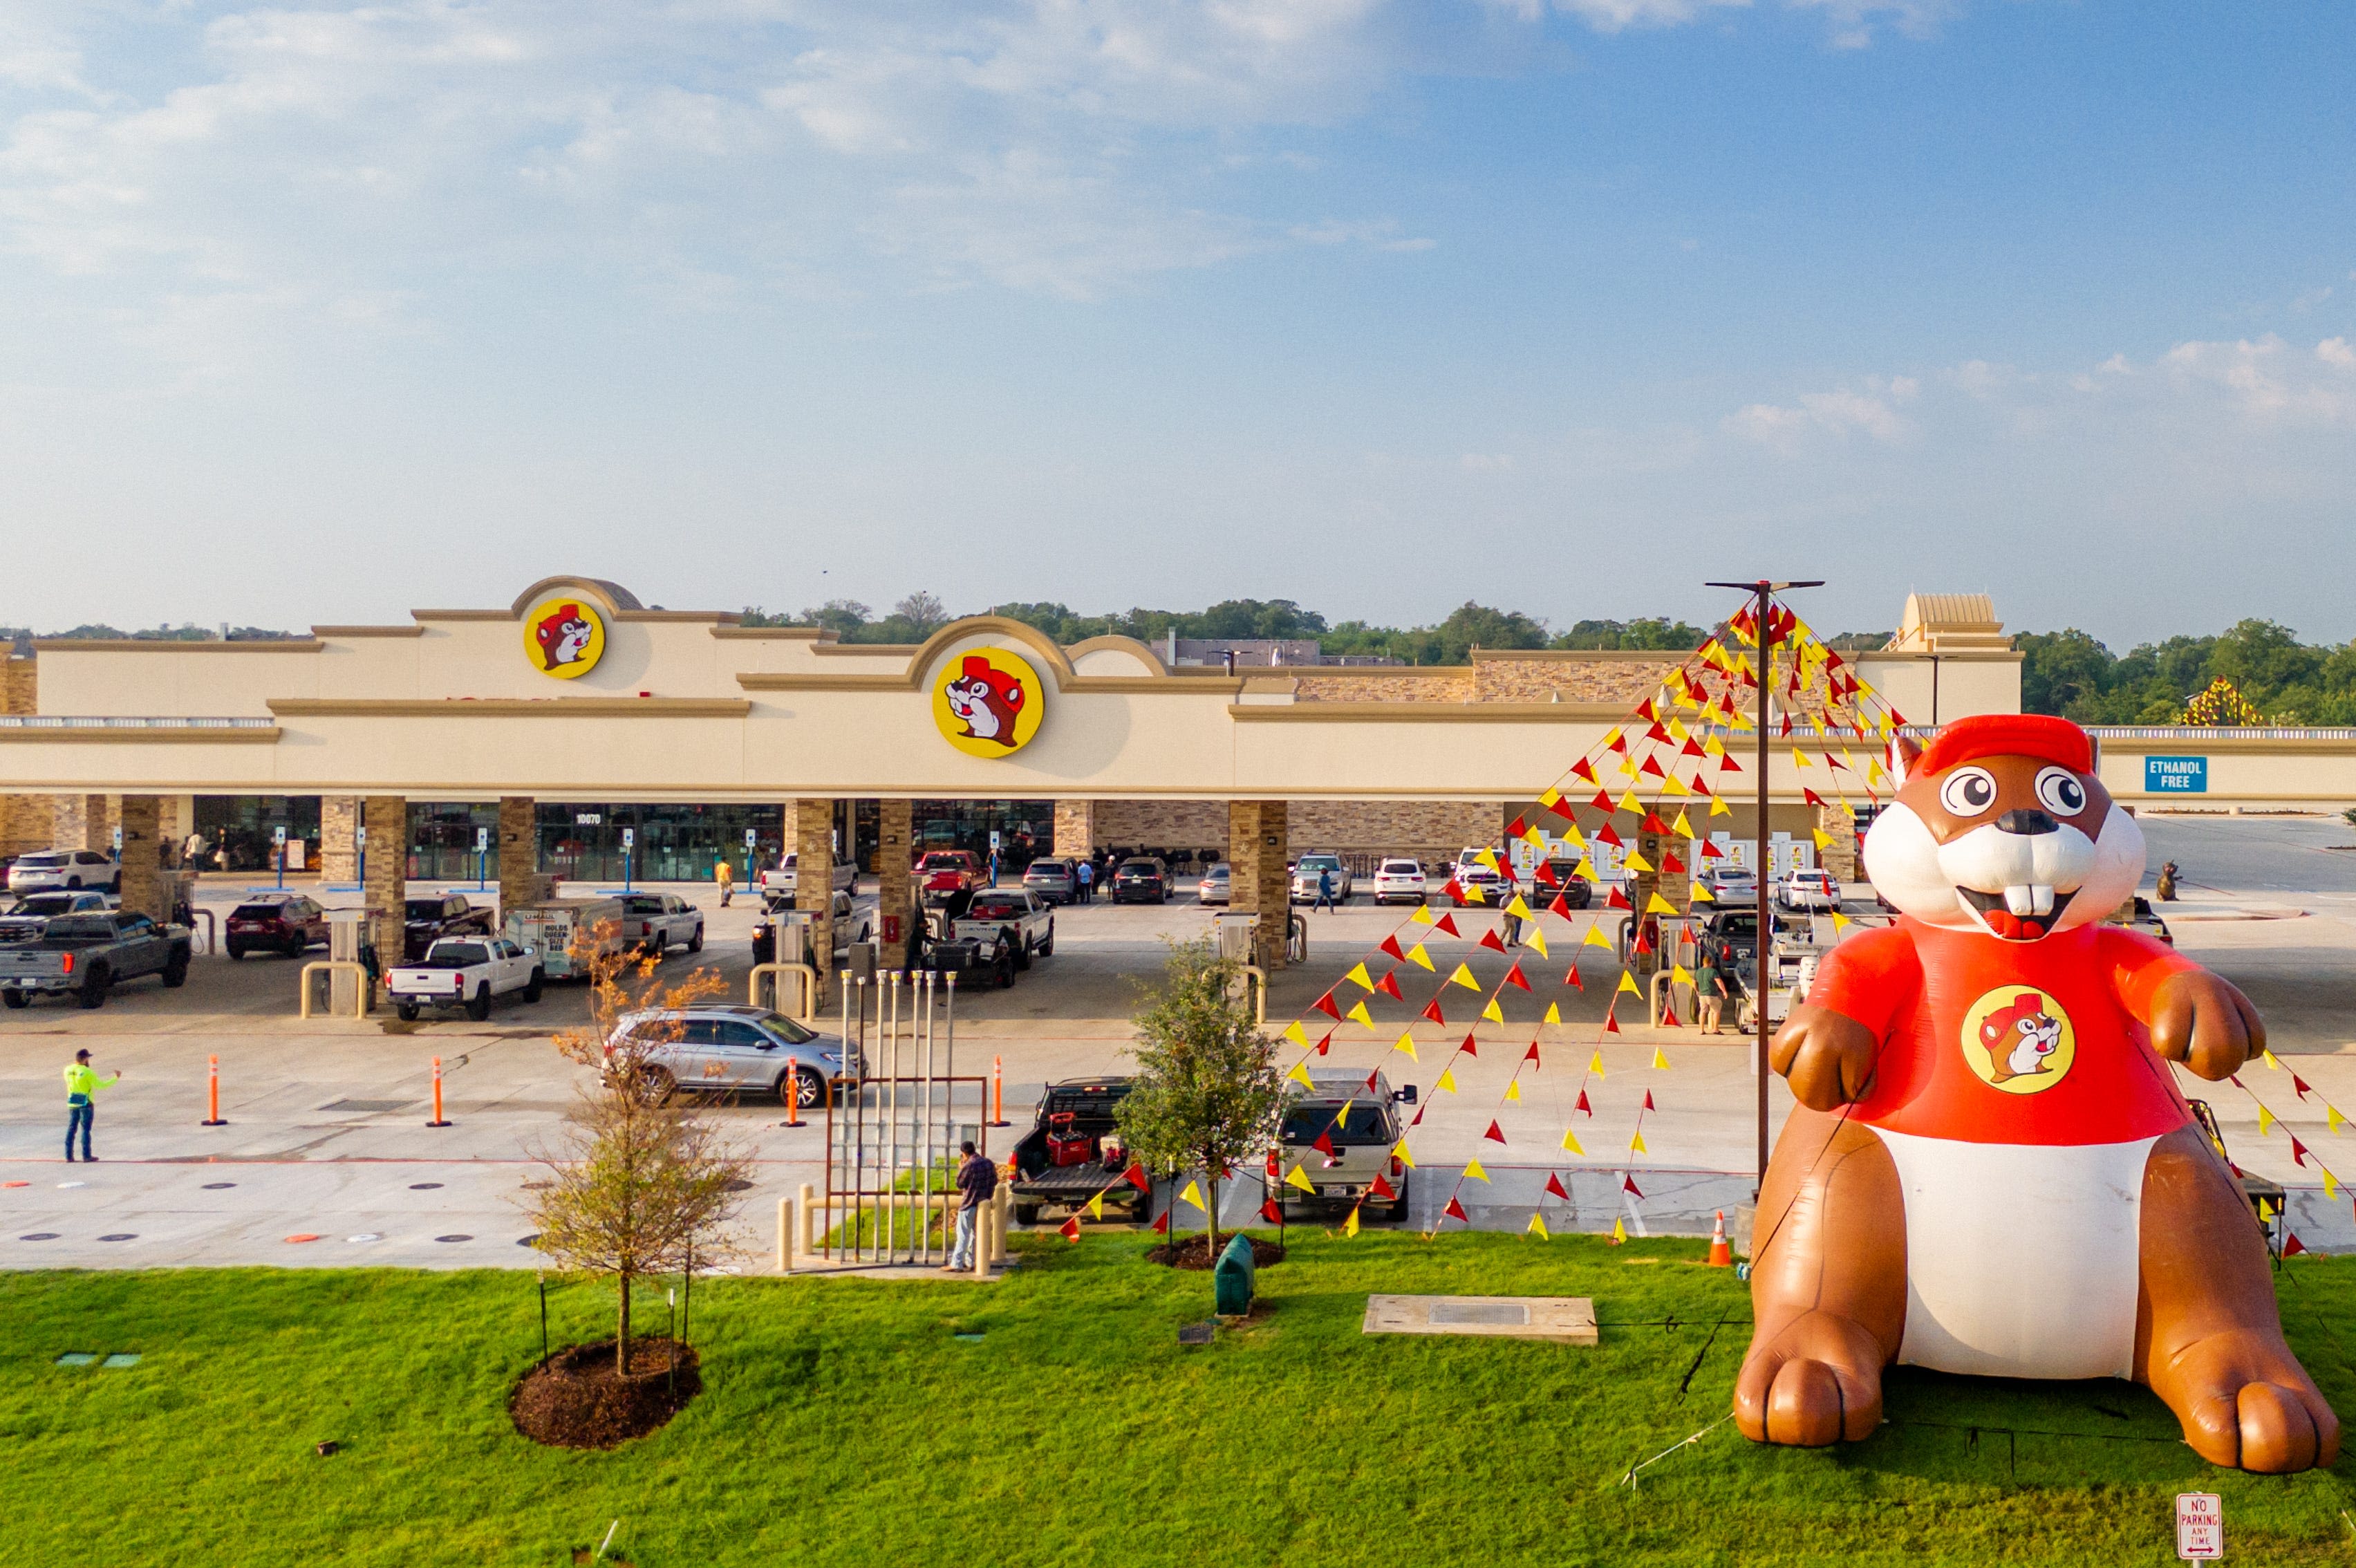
(111, 721)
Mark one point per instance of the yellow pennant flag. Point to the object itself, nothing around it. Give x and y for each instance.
(1359, 978)
(1473, 895)
(1609, 736)
(1472, 1171)
(1571, 1142)
(1299, 1179)
(1350, 1225)
(1628, 984)
(1635, 862)
(1677, 730)
(1463, 977)
(1491, 1012)
(1551, 799)
(2265, 1121)
(1359, 1014)
(1673, 785)
(1513, 1089)
(1537, 1228)
(1402, 1157)
(1800, 759)
(1873, 774)
(2269, 1058)
(1628, 802)
(1841, 923)
(1535, 938)
(1596, 1067)
(1447, 1083)
(1679, 975)
(1683, 827)
(1421, 916)
(1714, 746)
(1193, 1194)
(1513, 906)
(2330, 1185)
(1573, 836)
(1407, 1044)
(2331, 1116)
(1657, 905)
(1416, 956)
(1487, 857)
(1299, 1075)
(1636, 1144)
(1596, 939)
(1823, 839)
(1619, 1234)
(1095, 1207)
(1296, 1034)
(1702, 895)
(1535, 839)
(1554, 1013)
(1719, 808)
(1659, 1062)
(1585, 868)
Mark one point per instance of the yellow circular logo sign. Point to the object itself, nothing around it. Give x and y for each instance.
(564, 637)
(2018, 1039)
(988, 703)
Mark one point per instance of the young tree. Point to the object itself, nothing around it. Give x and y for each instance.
(640, 1185)
(1207, 1092)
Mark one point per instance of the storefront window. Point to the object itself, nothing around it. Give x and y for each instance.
(673, 843)
(245, 827)
(1025, 829)
(442, 840)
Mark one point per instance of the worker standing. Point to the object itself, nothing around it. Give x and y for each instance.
(82, 1085)
(725, 875)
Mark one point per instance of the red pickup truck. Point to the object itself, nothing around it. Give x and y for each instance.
(942, 874)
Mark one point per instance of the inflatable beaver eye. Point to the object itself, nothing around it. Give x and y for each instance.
(2061, 792)
(1968, 791)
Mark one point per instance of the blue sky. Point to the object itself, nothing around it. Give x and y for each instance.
(320, 314)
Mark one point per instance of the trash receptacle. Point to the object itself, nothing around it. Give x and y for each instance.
(1232, 1279)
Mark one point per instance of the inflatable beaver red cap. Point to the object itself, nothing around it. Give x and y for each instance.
(1990, 1169)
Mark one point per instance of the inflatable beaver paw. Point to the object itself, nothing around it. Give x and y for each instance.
(1826, 1057)
(1817, 1380)
(2201, 1020)
(2246, 1402)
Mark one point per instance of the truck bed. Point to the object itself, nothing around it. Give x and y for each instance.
(1078, 1180)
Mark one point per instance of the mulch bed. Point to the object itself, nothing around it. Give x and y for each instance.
(1194, 1253)
(576, 1401)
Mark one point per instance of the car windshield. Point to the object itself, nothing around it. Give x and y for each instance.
(44, 904)
(1139, 867)
(1048, 868)
(257, 911)
(456, 955)
(1311, 862)
(1220, 873)
(643, 903)
(424, 910)
(1362, 1125)
(785, 1028)
(81, 927)
(943, 863)
(1401, 868)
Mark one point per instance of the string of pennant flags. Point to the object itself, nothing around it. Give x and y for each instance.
(1665, 763)
(2301, 1153)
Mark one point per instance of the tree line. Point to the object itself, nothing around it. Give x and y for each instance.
(2073, 674)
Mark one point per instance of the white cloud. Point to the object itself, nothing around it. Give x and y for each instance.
(2267, 381)
(1853, 21)
(1873, 413)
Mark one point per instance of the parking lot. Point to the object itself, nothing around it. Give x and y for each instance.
(325, 1133)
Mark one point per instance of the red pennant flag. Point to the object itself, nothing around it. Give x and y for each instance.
(1532, 1055)
(1653, 768)
(1070, 1229)
(1162, 1226)
(1514, 977)
(1609, 834)
(1391, 946)
(1602, 802)
(1447, 923)
(1652, 823)
(1628, 1184)
(1726, 764)
(2299, 1084)
(1325, 1005)
(1489, 939)
(1712, 852)
(1691, 749)
(1452, 890)
(1620, 743)
(1546, 878)
(1555, 1188)
(1272, 1212)
(2292, 1246)
(1388, 986)
(1643, 943)
(1324, 1044)
(1455, 1210)
(2297, 1153)
(1582, 1105)
(1324, 1145)
(1417, 1119)
(1700, 786)
(1559, 908)
(1135, 1176)
(1671, 864)
(1611, 1017)
(1580, 770)
(1648, 1100)
(1432, 1011)
(1493, 1134)
(1669, 1020)
(1658, 733)
(1467, 1047)
(1516, 828)
(1382, 1187)
(1571, 978)
(1644, 710)
(1812, 797)
(1371, 1079)
(1618, 900)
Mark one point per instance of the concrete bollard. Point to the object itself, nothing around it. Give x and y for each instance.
(983, 1223)
(806, 1222)
(1002, 1208)
(785, 1235)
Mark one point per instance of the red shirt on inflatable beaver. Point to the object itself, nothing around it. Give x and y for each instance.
(1991, 1170)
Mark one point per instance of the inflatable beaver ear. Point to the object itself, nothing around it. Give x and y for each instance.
(1904, 752)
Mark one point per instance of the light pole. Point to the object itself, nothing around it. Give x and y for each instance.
(1763, 965)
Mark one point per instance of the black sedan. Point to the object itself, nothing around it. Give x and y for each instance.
(1142, 879)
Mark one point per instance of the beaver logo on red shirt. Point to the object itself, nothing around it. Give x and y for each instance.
(563, 636)
(986, 701)
(2020, 1039)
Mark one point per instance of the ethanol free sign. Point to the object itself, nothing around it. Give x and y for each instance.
(2176, 775)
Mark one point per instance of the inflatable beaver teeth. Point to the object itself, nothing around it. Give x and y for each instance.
(1990, 1169)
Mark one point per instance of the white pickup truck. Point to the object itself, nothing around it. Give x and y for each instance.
(1025, 919)
(466, 971)
(781, 881)
(652, 922)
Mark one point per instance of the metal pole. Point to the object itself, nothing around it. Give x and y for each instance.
(850, 1072)
(925, 1230)
(858, 1140)
(1764, 966)
(892, 1131)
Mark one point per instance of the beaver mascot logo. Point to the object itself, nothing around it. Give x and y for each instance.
(563, 635)
(2020, 1039)
(987, 701)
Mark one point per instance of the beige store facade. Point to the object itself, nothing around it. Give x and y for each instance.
(576, 692)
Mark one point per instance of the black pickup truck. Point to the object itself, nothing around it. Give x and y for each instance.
(1073, 1152)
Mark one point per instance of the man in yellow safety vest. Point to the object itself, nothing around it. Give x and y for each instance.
(82, 1085)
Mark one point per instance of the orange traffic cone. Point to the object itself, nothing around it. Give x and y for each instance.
(1721, 1254)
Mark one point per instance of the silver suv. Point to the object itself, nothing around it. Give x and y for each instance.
(1361, 1127)
(732, 1049)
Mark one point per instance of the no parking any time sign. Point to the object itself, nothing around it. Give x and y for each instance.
(2199, 1527)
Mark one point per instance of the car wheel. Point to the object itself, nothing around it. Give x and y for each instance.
(534, 985)
(1026, 1214)
(406, 1011)
(14, 999)
(657, 947)
(94, 988)
(800, 1087)
(73, 883)
(1006, 972)
(176, 972)
(1021, 946)
(1047, 947)
(655, 1085)
(695, 942)
(236, 952)
(295, 946)
(479, 1006)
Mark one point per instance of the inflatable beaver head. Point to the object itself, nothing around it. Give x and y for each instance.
(2001, 826)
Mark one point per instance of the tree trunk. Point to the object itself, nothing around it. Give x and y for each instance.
(622, 1341)
(1211, 1175)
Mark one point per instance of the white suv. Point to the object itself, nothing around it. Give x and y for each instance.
(1806, 889)
(1401, 881)
(64, 868)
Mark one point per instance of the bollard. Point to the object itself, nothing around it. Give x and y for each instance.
(785, 1235)
(793, 1096)
(805, 1220)
(212, 1093)
(1001, 1203)
(982, 1217)
(439, 1120)
(998, 1091)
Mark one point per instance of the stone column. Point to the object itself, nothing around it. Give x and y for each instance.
(1076, 829)
(811, 834)
(1839, 857)
(338, 815)
(516, 839)
(384, 881)
(143, 865)
(893, 887)
(1258, 837)
(84, 822)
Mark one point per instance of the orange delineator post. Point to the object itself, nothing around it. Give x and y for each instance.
(439, 1120)
(212, 1093)
(793, 1097)
(998, 1091)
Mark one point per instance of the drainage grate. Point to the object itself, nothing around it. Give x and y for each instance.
(1197, 1333)
(39, 1236)
(121, 1236)
(219, 1185)
(423, 1185)
(531, 1240)
(454, 1238)
(369, 1105)
(78, 1358)
(120, 1359)
(1487, 1314)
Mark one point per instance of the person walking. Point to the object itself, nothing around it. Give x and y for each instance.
(82, 1085)
(1712, 986)
(1325, 890)
(1084, 878)
(977, 1178)
(725, 875)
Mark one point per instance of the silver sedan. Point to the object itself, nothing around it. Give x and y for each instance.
(732, 1048)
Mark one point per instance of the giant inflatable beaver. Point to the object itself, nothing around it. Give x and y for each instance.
(1990, 1169)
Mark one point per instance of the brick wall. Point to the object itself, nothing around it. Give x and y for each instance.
(1504, 679)
(1451, 685)
(25, 821)
(1429, 830)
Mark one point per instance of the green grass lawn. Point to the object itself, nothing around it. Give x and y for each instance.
(844, 1421)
